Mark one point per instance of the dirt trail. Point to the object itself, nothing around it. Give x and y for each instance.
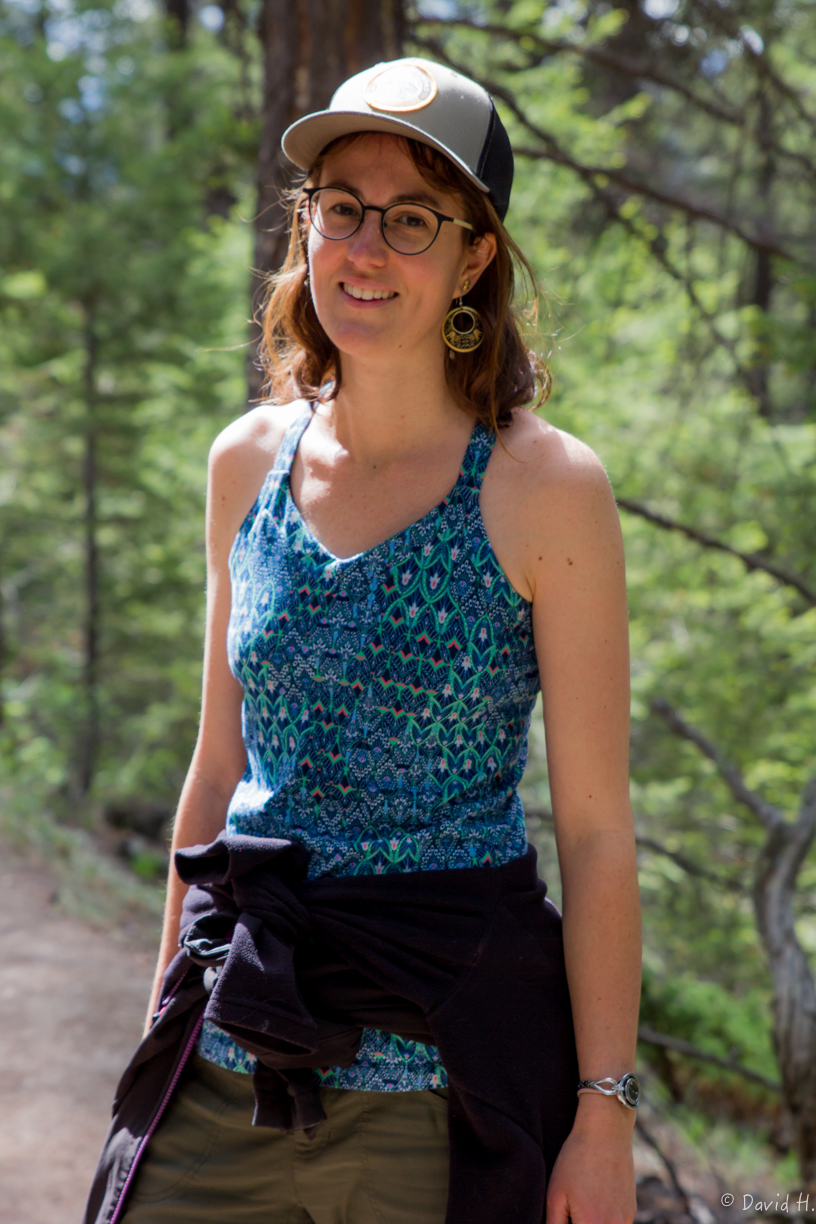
(72, 1001)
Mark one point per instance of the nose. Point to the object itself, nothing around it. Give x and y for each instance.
(368, 244)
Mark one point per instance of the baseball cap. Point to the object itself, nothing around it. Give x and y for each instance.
(423, 100)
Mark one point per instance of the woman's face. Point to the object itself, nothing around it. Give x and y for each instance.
(418, 289)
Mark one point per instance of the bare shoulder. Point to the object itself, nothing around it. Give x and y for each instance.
(256, 434)
(549, 462)
(240, 458)
(544, 474)
(547, 502)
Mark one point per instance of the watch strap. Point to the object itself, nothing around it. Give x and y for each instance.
(626, 1089)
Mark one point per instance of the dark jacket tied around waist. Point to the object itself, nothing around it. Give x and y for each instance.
(470, 960)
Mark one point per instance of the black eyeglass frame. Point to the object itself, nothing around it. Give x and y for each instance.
(310, 192)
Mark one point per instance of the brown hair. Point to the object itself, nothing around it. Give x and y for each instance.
(299, 359)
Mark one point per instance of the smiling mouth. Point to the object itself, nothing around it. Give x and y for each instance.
(368, 295)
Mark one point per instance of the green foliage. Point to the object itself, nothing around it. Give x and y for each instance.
(122, 320)
(708, 1015)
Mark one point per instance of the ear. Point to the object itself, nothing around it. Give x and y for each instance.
(477, 256)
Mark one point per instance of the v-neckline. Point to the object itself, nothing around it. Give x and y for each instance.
(464, 467)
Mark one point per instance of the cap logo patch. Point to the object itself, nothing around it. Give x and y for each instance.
(406, 87)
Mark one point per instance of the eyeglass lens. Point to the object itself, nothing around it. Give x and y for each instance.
(407, 228)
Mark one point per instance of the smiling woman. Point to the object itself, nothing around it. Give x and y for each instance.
(369, 968)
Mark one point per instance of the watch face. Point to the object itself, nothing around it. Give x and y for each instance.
(631, 1090)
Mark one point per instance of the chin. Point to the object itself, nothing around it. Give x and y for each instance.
(358, 340)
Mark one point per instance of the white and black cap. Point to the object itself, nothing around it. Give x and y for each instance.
(423, 100)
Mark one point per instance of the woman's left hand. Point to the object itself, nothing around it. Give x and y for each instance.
(593, 1180)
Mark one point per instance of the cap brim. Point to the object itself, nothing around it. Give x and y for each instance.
(304, 140)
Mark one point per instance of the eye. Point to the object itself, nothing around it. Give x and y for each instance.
(344, 208)
(407, 217)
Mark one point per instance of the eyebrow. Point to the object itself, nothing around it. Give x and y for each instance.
(412, 197)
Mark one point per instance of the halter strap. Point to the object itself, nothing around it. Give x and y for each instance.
(476, 457)
(291, 439)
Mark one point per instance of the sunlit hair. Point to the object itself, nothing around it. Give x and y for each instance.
(299, 359)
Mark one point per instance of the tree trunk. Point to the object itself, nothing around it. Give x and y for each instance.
(763, 267)
(309, 48)
(89, 725)
(178, 18)
(787, 844)
(3, 653)
(794, 995)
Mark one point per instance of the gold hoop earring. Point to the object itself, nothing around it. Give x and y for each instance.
(462, 328)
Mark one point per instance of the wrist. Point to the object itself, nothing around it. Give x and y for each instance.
(597, 1112)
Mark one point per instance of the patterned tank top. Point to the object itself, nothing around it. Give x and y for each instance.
(387, 699)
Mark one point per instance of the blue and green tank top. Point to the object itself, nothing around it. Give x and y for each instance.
(387, 699)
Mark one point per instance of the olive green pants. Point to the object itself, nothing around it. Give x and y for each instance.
(379, 1158)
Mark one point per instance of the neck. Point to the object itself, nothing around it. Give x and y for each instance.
(383, 411)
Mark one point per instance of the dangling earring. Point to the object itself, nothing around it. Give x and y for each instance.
(462, 328)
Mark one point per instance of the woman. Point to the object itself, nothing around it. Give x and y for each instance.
(459, 572)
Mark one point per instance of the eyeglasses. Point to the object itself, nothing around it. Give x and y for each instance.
(408, 229)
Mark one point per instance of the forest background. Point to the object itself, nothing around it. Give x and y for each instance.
(665, 190)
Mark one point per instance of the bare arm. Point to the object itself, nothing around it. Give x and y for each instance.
(573, 560)
(239, 460)
(581, 633)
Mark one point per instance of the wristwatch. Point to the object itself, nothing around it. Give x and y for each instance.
(626, 1089)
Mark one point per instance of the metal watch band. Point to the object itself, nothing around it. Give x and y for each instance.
(626, 1089)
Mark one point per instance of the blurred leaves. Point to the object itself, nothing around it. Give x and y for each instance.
(109, 161)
